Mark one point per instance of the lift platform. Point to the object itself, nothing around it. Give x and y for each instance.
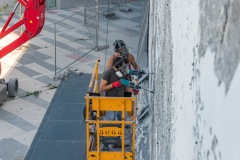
(102, 134)
(66, 132)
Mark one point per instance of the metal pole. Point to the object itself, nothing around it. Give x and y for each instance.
(97, 23)
(55, 48)
(85, 11)
(14, 9)
(20, 28)
(108, 6)
(9, 18)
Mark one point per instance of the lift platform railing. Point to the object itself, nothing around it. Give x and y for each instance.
(94, 79)
(97, 127)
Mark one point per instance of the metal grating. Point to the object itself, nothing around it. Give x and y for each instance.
(61, 135)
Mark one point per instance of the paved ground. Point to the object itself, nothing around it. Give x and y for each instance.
(34, 67)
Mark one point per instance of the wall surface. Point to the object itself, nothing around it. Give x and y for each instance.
(194, 51)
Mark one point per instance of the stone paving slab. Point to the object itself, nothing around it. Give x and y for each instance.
(34, 64)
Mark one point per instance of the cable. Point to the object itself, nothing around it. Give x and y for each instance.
(106, 46)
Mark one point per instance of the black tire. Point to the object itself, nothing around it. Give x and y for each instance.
(12, 87)
(2, 80)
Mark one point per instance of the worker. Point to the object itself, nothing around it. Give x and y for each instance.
(110, 82)
(111, 85)
(120, 50)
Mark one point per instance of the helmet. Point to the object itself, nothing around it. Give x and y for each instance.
(120, 46)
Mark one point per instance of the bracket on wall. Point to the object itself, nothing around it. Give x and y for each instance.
(144, 114)
(143, 78)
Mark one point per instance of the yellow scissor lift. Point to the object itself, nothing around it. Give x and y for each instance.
(98, 129)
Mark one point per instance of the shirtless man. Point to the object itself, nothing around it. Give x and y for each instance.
(120, 50)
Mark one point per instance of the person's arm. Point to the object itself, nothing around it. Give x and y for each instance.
(110, 62)
(134, 64)
(104, 86)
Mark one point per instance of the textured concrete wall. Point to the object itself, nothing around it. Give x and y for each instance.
(161, 59)
(194, 51)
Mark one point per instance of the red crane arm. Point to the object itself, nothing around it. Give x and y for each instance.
(33, 19)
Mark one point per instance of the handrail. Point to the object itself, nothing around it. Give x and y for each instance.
(55, 41)
(95, 130)
(76, 13)
(94, 74)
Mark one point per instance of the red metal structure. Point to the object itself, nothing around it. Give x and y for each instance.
(33, 20)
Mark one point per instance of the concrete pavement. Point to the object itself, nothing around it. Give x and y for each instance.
(34, 67)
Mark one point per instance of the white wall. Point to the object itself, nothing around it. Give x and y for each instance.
(185, 37)
(205, 119)
(205, 99)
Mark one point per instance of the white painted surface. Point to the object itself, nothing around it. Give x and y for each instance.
(205, 117)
